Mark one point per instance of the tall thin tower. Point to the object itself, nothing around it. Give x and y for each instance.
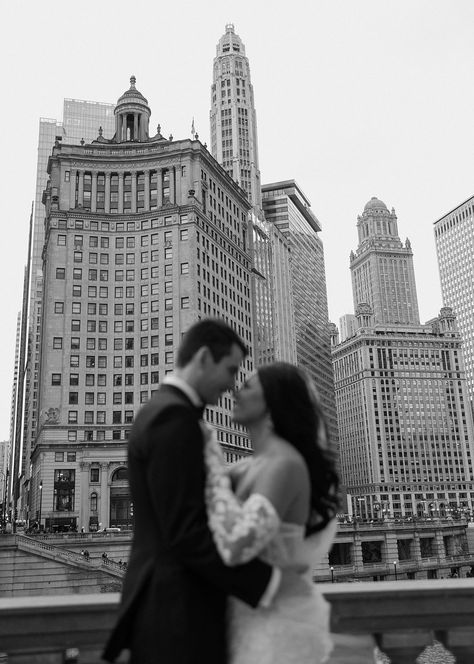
(382, 268)
(233, 117)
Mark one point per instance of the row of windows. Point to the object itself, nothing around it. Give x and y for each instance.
(120, 241)
(130, 275)
(120, 226)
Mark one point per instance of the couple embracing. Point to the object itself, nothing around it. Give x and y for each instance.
(219, 571)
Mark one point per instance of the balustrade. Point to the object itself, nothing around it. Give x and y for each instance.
(402, 618)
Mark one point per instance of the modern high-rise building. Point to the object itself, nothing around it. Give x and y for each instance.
(405, 427)
(144, 236)
(454, 236)
(81, 122)
(287, 208)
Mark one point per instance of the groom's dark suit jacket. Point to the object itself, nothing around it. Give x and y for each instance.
(175, 589)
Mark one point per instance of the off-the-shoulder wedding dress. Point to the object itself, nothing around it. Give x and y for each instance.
(295, 628)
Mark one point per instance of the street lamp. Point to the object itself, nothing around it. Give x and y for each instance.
(3, 497)
(332, 574)
(395, 568)
(41, 503)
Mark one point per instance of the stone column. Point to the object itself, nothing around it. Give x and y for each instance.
(104, 495)
(172, 187)
(134, 191)
(119, 128)
(94, 193)
(178, 186)
(85, 505)
(80, 197)
(440, 552)
(416, 552)
(120, 193)
(147, 190)
(159, 185)
(135, 126)
(72, 188)
(107, 193)
(357, 559)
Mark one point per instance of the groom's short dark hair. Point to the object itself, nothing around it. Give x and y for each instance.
(213, 333)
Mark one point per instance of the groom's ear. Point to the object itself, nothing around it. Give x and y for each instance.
(202, 356)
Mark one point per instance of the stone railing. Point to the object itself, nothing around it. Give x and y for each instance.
(42, 547)
(402, 618)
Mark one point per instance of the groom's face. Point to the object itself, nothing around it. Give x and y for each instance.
(218, 377)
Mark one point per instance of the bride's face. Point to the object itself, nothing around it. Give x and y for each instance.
(249, 402)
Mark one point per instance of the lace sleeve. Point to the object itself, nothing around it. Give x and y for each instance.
(240, 530)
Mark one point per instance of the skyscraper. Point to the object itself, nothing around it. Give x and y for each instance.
(233, 117)
(382, 267)
(81, 121)
(288, 210)
(144, 236)
(405, 427)
(454, 236)
(234, 144)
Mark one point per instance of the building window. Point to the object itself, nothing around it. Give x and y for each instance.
(56, 379)
(59, 307)
(93, 505)
(59, 456)
(64, 488)
(185, 303)
(184, 268)
(57, 343)
(73, 397)
(61, 240)
(72, 417)
(60, 273)
(71, 456)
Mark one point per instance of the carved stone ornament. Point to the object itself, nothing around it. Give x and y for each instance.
(51, 415)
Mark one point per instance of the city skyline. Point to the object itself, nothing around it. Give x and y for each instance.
(345, 124)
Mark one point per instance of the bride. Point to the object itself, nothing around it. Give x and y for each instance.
(279, 505)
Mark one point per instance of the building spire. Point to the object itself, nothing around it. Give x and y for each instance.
(233, 118)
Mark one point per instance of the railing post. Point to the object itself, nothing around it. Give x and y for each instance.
(459, 642)
(404, 647)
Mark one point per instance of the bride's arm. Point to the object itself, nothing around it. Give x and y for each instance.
(240, 529)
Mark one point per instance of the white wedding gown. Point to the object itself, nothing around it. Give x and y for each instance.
(295, 628)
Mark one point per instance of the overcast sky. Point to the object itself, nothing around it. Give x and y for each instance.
(354, 99)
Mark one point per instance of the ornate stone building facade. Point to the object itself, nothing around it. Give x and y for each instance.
(234, 143)
(405, 426)
(144, 235)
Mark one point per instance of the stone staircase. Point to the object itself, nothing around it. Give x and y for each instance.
(31, 566)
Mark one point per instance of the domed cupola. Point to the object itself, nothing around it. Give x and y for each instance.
(375, 205)
(132, 116)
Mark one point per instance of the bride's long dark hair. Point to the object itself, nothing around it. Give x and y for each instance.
(298, 419)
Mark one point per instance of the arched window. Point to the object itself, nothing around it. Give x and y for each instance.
(93, 502)
(120, 474)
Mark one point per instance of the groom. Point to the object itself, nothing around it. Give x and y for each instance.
(174, 593)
